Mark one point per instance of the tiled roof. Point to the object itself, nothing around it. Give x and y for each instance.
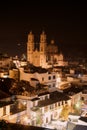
(54, 97)
(72, 90)
(34, 79)
(83, 119)
(45, 93)
(34, 99)
(5, 103)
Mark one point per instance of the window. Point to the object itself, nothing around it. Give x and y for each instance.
(51, 106)
(49, 86)
(62, 102)
(4, 110)
(47, 120)
(82, 98)
(65, 102)
(49, 77)
(51, 117)
(42, 78)
(41, 48)
(29, 48)
(53, 76)
(46, 108)
(46, 97)
(56, 104)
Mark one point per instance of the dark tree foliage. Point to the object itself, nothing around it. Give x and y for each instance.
(3, 125)
(6, 84)
(21, 86)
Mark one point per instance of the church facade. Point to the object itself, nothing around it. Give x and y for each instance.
(43, 54)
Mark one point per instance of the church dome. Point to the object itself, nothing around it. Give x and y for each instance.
(52, 48)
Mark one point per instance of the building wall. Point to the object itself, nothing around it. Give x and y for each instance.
(14, 74)
(36, 58)
(1, 112)
(5, 112)
(4, 62)
(43, 78)
(38, 55)
(8, 110)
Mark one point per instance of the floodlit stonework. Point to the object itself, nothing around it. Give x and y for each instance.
(43, 54)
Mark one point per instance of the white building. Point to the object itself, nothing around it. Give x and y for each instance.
(44, 108)
(52, 79)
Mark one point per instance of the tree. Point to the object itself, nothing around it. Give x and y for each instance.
(77, 107)
(65, 112)
(3, 125)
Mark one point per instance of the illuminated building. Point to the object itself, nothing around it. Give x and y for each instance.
(43, 54)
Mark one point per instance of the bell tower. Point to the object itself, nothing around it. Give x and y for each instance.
(43, 43)
(30, 47)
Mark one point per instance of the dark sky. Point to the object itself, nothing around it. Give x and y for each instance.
(66, 23)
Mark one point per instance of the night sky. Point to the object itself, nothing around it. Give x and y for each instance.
(66, 23)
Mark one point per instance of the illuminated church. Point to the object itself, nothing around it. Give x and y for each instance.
(43, 54)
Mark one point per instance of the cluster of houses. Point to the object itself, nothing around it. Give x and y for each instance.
(61, 96)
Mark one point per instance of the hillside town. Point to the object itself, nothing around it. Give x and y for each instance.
(43, 90)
